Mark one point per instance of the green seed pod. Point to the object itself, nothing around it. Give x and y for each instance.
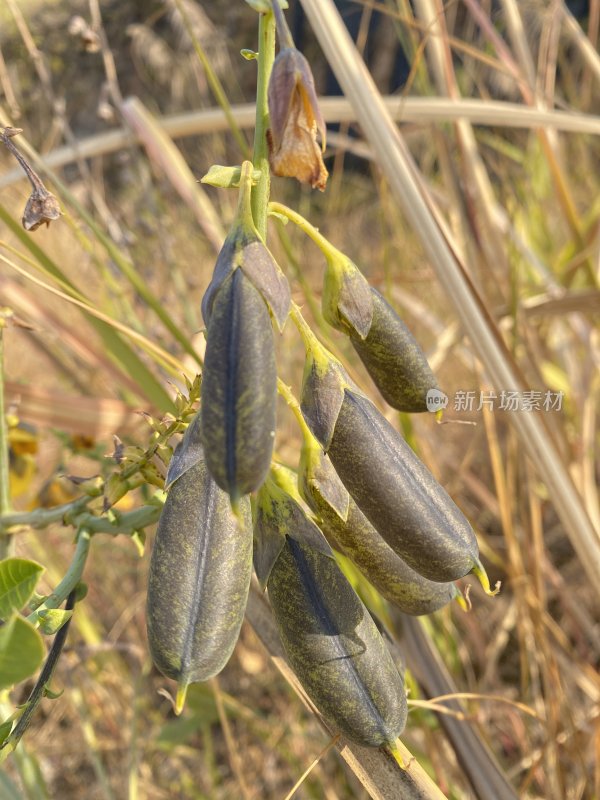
(334, 646)
(239, 388)
(398, 494)
(358, 539)
(346, 302)
(199, 579)
(393, 359)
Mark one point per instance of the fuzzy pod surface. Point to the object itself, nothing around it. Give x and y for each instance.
(389, 574)
(394, 359)
(199, 578)
(334, 646)
(239, 388)
(398, 494)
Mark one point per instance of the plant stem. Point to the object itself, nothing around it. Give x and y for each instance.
(287, 394)
(71, 578)
(328, 250)
(37, 693)
(266, 56)
(311, 343)
(42, 517)
(6, 542)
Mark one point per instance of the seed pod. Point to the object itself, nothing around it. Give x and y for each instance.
(239, 388)
(334, 646)
(346, 301)
(393, 359)
(199, 579)
(358, 539)
(398, 494)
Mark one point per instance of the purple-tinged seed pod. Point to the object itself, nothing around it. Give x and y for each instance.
(394, 359)
(398, 495)
(199, 579)
(357, 538)
(239, 388)
(334, 646)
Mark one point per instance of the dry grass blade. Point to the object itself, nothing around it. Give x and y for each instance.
(578, 37)
(378, 773)
(161, 356)
(475, 758)
(98, 417)
(416, 110)
(162, 152)
(310, 768)
(407, 186)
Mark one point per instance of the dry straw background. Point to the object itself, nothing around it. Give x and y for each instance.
(471, 199)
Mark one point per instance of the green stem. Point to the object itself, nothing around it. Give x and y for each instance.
(244, 210)
(287, 394)
(6, 542)
(37, 693)
(43, 517)
(266, 56)
(126, 523)
(214, 82)
(311, 343)
(71, 578)
(74, 514)
(330, 252)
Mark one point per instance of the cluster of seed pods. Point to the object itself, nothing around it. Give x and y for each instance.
(359, 488)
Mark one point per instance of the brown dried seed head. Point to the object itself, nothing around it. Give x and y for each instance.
(41, 208)
(295, 120)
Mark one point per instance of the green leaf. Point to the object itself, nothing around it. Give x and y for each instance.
(21, 651)
(18, 579)
(52, 619)
(5, 729)
(201, 711)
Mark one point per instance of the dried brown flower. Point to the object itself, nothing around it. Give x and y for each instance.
(41, 207)
(295, 121)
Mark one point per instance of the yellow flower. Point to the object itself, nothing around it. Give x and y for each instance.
(295, 120)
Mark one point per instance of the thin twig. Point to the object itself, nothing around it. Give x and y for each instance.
(37, 693)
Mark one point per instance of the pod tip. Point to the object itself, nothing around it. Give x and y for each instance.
(234, 499)
(180, 698)
(393, 748)
(482, 576)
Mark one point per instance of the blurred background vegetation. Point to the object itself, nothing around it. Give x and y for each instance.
(138, 240)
